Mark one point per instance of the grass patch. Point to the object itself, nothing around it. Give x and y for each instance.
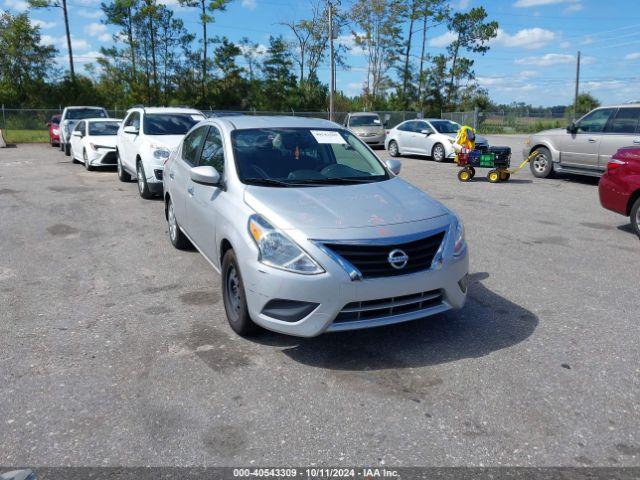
(26, 136)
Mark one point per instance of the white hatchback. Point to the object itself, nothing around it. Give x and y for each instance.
(93, 142)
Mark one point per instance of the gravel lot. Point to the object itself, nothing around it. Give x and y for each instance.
(114, 348)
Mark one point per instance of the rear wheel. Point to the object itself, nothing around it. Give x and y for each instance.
(67, 150)
(233, 295)
(493, 176)
(122, 173)
(394, 151)
(178, 239)
(635, 217)
(438, 153)
(542, 164)
(143, 187)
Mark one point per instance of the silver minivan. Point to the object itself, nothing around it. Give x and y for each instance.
(586, 145)
(309, 230)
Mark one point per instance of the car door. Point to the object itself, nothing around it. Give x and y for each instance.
(76, 141)
(180, 183)
(622, 130)
(423, 142)
(129, 141)
(405, 136)
(581, 148)
(205, 199)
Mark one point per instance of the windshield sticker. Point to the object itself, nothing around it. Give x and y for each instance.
(328, 136)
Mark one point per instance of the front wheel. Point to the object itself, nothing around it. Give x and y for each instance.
(394, 151)
(635, 217)
(542, 164)
(438, 153)
(178, 239)
(233, 295)
(143, 187)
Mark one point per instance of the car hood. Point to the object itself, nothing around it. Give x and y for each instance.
(104, 140)
(169, 141)
(343, 206)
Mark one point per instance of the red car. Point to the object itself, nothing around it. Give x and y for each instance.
(54, 130)
(620, 186)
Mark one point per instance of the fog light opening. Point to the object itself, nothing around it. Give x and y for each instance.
(463, 283)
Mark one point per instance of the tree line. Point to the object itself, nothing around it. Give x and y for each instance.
(156, 60)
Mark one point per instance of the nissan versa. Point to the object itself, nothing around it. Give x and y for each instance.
(310, 231)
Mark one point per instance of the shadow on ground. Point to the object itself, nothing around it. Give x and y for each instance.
(488, 323)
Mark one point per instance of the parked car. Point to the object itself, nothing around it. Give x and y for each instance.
(310, 231)
(145, 140)
(93, 142)
(586, 146)
(430, 137)
(71, 116)
(54, 130)
(367, 126)
(619, 187)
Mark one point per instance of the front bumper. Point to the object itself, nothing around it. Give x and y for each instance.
(333, 292)
(375, 140)
(103, 157)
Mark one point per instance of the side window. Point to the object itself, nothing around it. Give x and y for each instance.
(595, 121)
(213, 151)
(133, 120)
(423, 126)
(79, 127)
(192, 145)
(406, 127)
(624, 121)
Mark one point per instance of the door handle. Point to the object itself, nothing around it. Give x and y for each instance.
(171, 175)
(190, 191)
(637, 141)
(593, 140)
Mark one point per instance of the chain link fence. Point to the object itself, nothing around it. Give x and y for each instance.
(506, 122)
(31, 125)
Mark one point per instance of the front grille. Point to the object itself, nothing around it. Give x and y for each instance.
(388, 307)
(373, 260)
(110, 159)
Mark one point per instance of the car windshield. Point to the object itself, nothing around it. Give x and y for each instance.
(445, 126)
(365, 121)
(286, 157)
(81, 113)
(103, 128)
(170, 123)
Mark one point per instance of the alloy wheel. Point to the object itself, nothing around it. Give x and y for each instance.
(438, 153)
(233, 290)
(173, 224)
(540, 163)
(140, 180)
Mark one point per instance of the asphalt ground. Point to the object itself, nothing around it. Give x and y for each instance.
(114, 348)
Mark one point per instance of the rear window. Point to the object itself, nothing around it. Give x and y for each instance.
(625, 121)
(103, 128)
(365, 121)
(82, 113)
(169, 123)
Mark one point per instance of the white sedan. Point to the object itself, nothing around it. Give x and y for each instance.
(430, 137)
(93, 142)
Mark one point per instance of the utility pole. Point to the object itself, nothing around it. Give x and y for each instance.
(575, 100)
(66, 26)
(332, 78)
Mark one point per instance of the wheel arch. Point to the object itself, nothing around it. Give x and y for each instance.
(632, 199)
(225, 246)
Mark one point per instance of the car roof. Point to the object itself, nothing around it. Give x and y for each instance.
(622, 105)
(98, 119)
(168, 110)
(241, 122)
(77, 107)
(363, 114)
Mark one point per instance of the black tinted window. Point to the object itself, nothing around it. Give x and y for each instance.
(625, 121)
(79, 127)
(169, 123)
(133, 120)
(595, 121)
(406, 126)
(365, 121)
(192, 145)
(79, 113)
(103, 128)
(212, 151)
(445, 126)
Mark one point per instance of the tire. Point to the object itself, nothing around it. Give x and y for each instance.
(233, 295)
(394, 151)
(542, 164)
(122, 173)
(493, 176)
(438, 153)
(635, 217)
(143, 187)
(86, 161)
(472, 171)
(177, 238)
(464, 175)
(67, 150)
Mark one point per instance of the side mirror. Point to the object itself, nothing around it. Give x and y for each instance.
(77, 133)
(205, 175)
(394, 165)
(426, 132)
(572, 128)
(48, 124)
(130, 129)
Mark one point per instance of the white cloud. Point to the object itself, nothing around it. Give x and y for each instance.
(77, 44)
(633, 56)
(443, 40)
(576, 7)
(250, 4)
(98, 30)
(169, 3)
(18, 5)
(461, 4)
(349, 40)
(42, 24)
(90, 14)
(87, 57)
(540, 3)
(546, 60)
(529, 38)
(565, 44)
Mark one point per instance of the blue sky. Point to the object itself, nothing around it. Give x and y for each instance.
(532, 59)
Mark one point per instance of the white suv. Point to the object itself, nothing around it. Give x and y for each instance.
(146, 138)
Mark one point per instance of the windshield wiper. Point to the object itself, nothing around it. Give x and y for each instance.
(266, 181)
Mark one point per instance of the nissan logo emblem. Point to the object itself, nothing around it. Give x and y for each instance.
(398, 259)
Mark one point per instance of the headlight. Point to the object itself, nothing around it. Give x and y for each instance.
(279, 251)
(56, 131)
(459, 243)
(160, 152)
